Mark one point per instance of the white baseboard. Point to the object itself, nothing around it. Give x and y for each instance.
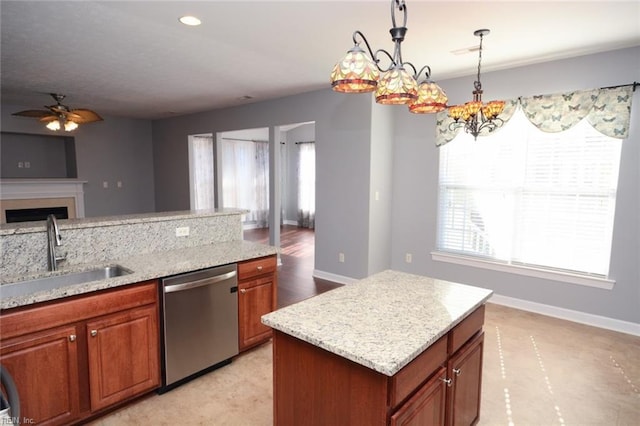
(568, 314)
(340, 279)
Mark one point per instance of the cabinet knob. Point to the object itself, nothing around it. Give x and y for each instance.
(259, 268)
(243, 290)
(447, 381)
(457, 371)
(94, 333)
(72, 338)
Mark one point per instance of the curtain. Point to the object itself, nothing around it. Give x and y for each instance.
(606, 110)
(203, 184)
(262, 184)
(306, 184)
(245, 179)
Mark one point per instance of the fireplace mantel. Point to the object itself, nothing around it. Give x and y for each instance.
(29, 193)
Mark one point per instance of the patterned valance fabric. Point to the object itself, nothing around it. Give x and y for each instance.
(607, 110)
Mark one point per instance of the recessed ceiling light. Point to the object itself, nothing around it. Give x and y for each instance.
(190, 20)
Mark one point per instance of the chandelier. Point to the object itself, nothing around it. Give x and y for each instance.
(394, 85)
(476, 116)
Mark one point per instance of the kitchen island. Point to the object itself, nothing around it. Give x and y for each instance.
(394, 348)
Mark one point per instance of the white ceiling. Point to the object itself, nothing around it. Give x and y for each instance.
(134, 59)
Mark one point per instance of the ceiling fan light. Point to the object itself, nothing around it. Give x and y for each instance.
(355, 73)
(53, 125)
(70, 126)
(396, 87)
(431, 99)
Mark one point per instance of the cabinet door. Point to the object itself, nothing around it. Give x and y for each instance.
(465, 372)
(255, 299)
(123, 354)
(44, 366)
(426, 407)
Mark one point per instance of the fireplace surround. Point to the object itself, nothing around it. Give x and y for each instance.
(21, 197)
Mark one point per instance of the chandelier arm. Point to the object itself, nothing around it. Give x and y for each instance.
(427, 73)
(415, 73)
(401, 6)
(377, 61)
(366, 42)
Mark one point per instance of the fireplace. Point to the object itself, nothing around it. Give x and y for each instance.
(33, 199)
(35, 214)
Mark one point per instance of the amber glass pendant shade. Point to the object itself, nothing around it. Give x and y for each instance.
(431, 99)
(356, 73)
(396, 87)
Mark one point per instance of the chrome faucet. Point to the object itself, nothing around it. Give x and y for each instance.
(55, 240)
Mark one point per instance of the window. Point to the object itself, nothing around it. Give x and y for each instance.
(523, 197)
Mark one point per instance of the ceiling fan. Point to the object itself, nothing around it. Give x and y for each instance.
(59, 115)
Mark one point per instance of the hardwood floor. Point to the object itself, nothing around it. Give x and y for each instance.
(295, 275)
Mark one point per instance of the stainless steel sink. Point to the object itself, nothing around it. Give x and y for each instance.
(22, 288)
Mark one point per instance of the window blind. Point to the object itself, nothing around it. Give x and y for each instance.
(525, 197)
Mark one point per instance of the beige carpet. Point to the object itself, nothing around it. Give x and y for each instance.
(538, 371)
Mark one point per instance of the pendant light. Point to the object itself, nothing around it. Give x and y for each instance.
(397, 84)
(475, 116)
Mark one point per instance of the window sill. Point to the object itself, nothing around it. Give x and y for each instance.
(566, 277)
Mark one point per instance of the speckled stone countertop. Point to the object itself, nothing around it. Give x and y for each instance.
(382, 322)
(146, 267)
(101, 221)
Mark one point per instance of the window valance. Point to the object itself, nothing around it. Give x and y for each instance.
(607, 110)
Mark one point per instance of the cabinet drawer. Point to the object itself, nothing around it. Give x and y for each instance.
(21, 321)
(466, 329)
(253, 268)
(405, 381)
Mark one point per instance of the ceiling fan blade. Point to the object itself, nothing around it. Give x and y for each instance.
(48, 118)
(85, 116)
(35, 113)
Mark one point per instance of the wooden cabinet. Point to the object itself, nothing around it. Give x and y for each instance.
(441, 386)
(44, 366)
(123, 355)
(427, 406)
(257, 295)
(465, 373)
(72, 358)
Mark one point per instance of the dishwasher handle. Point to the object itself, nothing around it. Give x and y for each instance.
(199, 283)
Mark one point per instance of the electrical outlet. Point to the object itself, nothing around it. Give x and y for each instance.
(408, 258)
(105, 184)
(119, 184)
(182, 231)
(341, 257)
(27, 164)
(20, 165)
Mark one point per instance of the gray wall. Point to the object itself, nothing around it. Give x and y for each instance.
(416, 179)
(361, 149)
(116, 149)
(343, 137)
(36, 156)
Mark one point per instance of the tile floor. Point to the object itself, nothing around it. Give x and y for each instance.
(538, 371)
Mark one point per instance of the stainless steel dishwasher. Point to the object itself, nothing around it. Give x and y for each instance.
(200, 323)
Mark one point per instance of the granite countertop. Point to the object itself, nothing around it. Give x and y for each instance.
(382, 322)
(101, 221)
(146, 267)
